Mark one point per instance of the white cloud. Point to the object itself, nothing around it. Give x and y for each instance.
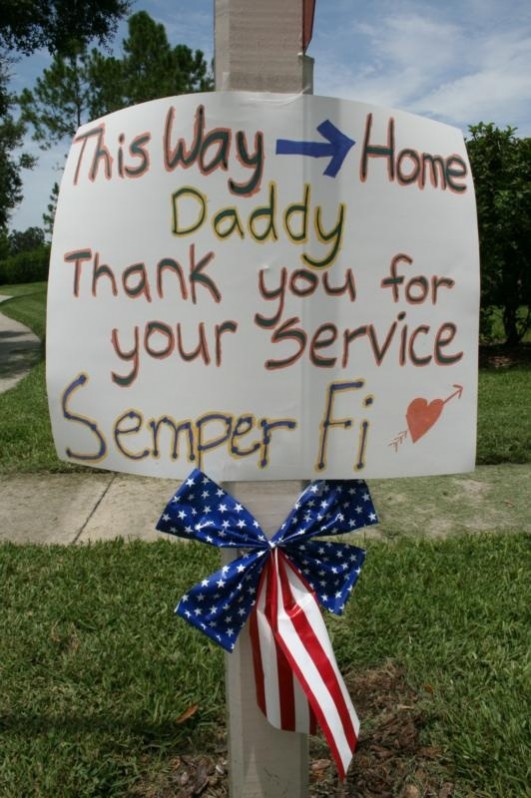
(485, 96)
(458, 63)
(414, 41)
(496, 87)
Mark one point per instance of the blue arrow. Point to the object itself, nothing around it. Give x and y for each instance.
(336, 149)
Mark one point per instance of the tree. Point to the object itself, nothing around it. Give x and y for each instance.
(27, 25)
(152, 68)
(60, 26)
(82, 85)
(48, 217)
(61, 99)
(25, 240)
(11, 137)
(4, 244)
(149, 68)
(501, 167)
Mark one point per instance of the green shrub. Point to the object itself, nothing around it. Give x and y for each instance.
(26, 267)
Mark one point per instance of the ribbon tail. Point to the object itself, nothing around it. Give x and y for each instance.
(301, 634)
(278, 692)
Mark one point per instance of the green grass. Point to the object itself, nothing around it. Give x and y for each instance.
(96, 670)
(27, 306)
(504, 423)
(504, 416)
(26, 443)
(456, 616)
(497, 328)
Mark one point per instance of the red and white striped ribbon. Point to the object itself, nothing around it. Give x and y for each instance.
(297, 678)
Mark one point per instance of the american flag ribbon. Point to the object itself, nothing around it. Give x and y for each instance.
(277, 585)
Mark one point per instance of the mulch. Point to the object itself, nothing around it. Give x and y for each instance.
(500, 356)
(391, 759)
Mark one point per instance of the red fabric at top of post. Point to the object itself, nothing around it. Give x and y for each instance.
(308, 13)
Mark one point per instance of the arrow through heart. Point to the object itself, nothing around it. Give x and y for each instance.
(421, 416)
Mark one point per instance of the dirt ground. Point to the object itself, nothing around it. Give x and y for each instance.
(391, 759)
(498, 356)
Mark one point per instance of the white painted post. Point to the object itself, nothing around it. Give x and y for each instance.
(258, 46)
(263, 761)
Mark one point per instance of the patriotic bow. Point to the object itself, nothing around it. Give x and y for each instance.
(277, 584)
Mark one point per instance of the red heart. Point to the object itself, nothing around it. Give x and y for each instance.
(421, 416)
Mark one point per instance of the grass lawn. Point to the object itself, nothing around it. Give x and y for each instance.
(103, 692)
(97, 673)
(504, 416)
(504, 425)
(498, 329)
(27, 306)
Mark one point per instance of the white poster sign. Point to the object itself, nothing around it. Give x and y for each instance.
(266, 287)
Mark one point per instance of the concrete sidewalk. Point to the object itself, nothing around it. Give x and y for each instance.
(19, 350)
(80, 508)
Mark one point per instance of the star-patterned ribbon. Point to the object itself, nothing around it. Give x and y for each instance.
(277, 584)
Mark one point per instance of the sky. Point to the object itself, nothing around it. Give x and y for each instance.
(458, 62)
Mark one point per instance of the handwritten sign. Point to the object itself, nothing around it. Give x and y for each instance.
(265, 287)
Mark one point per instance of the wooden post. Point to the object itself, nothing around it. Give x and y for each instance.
(258, 48)
(263, 761)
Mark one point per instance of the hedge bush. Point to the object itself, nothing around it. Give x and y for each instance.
(26, 267)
